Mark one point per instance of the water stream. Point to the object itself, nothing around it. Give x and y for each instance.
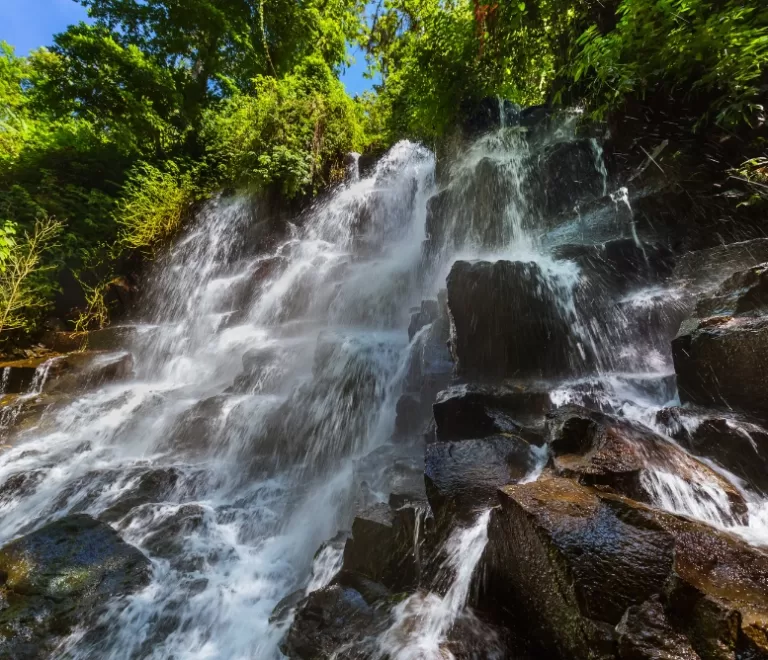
(261, 375)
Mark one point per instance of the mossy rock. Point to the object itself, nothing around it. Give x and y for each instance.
(61, 575)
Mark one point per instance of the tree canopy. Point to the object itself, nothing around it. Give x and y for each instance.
(116, 127)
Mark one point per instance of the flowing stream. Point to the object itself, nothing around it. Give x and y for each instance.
(265, 370)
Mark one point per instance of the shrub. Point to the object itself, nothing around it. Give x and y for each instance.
(152, 206)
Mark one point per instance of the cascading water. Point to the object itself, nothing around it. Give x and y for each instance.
(260, 379)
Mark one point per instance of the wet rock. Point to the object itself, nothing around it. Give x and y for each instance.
(644, 633)
(196, 431)
(264, 369)
(152, 485)
(21, 376)
(112, 338)
(566, 173)
(382, 547)
(422, 316)
(723, 361)
(490, 114)
(714, 265)
(59, 577)
(462, 477)
(409, 413)
(738, 445)
(570, 560)
(601, 450)
(88, 370)
(19, 485)
(328, 621)
(620, 264)
(506, 321)
(477, 411)
(745, 293)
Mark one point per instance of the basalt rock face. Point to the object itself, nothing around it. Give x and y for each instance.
(584, 568)
(721, 354)
(737, 444)
(506, 321)
(59, 577)
(620, 456)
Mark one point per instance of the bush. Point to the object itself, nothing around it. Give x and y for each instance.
(290, 132)
(713, 50)
(25, 289)
(152, 205)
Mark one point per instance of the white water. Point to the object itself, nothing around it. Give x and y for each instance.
(230, 492)
(423, 620)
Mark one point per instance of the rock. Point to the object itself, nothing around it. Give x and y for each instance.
(621, 263)
(409, 415)
(506, 321)
(22, 376)
(59, 577)
(196, 430)
(65, 373)
(745, 293)
(381, 547)
(263, 370)
(620, 455)
(89, 370)
(644, 633)
(328, 621)
(490, 114)
(569, 561)
(422, 316)
(738, 445)
(152, 485)
(477, 411)
(723, 361)
(462, 477)
(714, 265)
(566, 172)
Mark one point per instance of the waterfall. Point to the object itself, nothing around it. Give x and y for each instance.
(269, 360)
(422, 621)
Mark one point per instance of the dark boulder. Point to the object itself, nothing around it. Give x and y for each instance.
(620, 264)
(150, 485)
(331, 623)
(89, 370)
(489, 114)
(506, 321)
(644, 633)
(569, 561)
(462, 477)
(740, 446)
(422, 316)
(477, 411)
(723, 361)
(197, 429)
(714, 265)
(566, 173)
(382, 547)
(744, 293)
(600, 450)
(59, 577)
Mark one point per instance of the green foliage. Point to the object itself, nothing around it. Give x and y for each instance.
(120, 124)
(24, 287)
(152, 205)
(292, 131)
(713, 50)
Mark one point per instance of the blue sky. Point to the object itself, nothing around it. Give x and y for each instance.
(28, 24)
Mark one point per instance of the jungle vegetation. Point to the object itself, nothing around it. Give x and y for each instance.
(111, 132)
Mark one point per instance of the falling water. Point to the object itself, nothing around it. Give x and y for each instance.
(422, 621)
(268, 362)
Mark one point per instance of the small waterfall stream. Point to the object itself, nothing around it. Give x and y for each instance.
(262, 376)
